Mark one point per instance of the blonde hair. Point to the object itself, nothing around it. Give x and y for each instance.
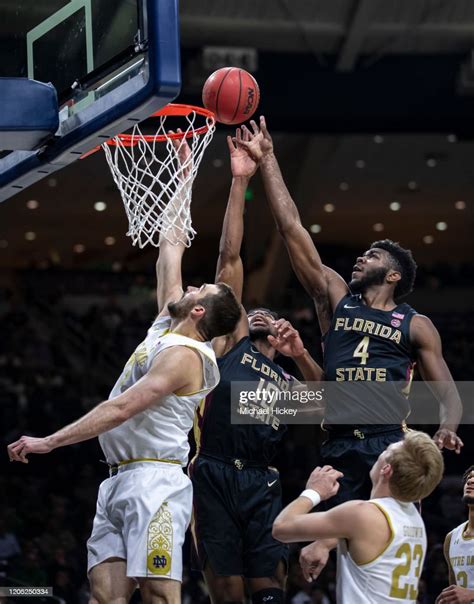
(417, 467)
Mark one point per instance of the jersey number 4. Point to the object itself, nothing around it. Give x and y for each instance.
(410, 589)
(361, 351)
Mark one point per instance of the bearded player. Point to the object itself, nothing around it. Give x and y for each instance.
(145, 506)
(236, 494)
(369, 338)
(459, 552)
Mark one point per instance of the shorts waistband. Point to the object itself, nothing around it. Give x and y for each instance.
(362, 431)
(238, 463)
(131, 464)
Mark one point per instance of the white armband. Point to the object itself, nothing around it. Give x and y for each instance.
(312, 495)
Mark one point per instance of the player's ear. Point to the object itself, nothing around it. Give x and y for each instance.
(393, 276)
(198, 311)
(387, 471)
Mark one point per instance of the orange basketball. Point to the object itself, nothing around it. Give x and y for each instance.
(232, 94)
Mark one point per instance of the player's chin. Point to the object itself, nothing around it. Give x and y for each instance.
(355, 284)
(259, 333)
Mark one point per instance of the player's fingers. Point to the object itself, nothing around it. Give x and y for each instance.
(327, 468)
(230, 144)
(263, 126)
(254, 126)
(247, 133)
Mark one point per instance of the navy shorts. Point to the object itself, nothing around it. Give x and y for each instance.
(354, 452)
(233, 514)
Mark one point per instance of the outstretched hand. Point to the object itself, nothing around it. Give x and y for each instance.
(287, 340)
(257, 143)
(447, 439)
(18, 450)
(241, 163)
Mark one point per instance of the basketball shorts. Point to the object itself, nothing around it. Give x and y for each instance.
(354, 452)
(233, 514)
(142, 516)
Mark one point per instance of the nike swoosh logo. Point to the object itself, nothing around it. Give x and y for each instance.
(270, 484)
(347, 306)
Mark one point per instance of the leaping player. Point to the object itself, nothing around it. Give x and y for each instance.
(368, 337)
(144, 508)
(459, 552)
(236, 494)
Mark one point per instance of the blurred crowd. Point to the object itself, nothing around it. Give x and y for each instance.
(60, 355)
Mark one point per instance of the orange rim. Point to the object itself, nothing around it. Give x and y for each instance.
(175, 109)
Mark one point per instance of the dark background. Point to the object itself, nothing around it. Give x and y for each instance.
(369, 104)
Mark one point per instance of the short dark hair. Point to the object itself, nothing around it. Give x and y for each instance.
(402, 261)
(465, 476)
(223, 312)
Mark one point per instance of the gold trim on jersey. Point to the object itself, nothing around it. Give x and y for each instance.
(127, 461)
(392, 535)
(463, 536)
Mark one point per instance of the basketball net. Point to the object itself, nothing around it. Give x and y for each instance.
(155, 180)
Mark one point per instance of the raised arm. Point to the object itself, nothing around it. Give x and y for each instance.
(323, 284)
(173, 242)
(433, 369)
(229, 263)
(178, 368)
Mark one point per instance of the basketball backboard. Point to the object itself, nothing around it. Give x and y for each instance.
(113, 63)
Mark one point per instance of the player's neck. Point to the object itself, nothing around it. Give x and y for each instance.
(380, 490)
(379, 297)
(470, 524)
(186, 328)
(264, 347)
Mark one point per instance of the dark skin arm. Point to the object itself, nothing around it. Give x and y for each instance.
(229, 268)
(324, 285)
(435, 372)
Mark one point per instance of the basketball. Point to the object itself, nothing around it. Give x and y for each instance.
(232, 94)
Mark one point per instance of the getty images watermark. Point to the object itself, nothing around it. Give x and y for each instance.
(355, 402)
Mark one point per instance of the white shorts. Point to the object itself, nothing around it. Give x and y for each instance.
(142, 516)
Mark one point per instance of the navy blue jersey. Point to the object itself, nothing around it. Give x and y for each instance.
(366, 345)
(213, 430)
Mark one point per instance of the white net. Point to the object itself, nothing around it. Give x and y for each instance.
(155, 174)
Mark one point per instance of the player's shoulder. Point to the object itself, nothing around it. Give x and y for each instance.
(422, 327)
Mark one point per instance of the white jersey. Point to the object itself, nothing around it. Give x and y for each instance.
(160, 431)
(393, 576)
(461, 557)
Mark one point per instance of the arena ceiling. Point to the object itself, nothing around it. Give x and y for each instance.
(367, 106)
